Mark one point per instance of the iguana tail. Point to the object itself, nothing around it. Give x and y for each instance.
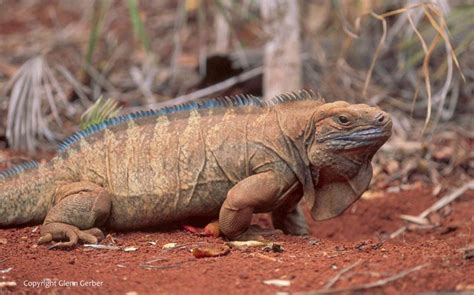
(26, 194)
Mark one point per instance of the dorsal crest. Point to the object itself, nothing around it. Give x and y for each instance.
(295, 96)
(220, 102)
(18, 169)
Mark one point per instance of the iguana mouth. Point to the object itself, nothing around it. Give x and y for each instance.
(371, 132)
(361, 138)
(365, 134)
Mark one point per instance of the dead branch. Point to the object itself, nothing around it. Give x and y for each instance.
(367, 286)
(438, 205)
(206, 91)
(180, 21)
(332, 281)
(77, 86)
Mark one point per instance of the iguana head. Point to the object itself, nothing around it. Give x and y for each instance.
(340, 143)
(350, 133)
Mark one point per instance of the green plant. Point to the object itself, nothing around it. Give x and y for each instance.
(99, 111)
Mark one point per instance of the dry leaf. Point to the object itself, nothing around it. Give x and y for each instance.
(7, 284)
(201, 252)
(246, 244)
(101, 247)
(130, 249)
(278, 283)
(392, 167)
(6, 270)
(169, 246)
(468, 252)
(368, 195)
(465, 287)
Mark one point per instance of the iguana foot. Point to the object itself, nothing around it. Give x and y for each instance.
(256, 233)
(211, 230)
(79, 209)
(70, 235)
(293, 222)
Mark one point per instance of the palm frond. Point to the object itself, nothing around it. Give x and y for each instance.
(33, 93)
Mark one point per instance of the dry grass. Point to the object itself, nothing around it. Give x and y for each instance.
(438, 22)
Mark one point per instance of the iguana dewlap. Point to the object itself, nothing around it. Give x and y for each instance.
(223, 158)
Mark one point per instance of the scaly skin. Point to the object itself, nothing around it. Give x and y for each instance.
(224, 163)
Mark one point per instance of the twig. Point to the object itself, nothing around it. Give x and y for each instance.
(206, 91)
(415, 219)
(332, 281)
(101, 247)
(180, 21)
(78, 88)
(144, 79)
(174, 265)
(98, 77)
(438, 205)
(158, 259)
(202, 31)
(375, 284)
(376, 53)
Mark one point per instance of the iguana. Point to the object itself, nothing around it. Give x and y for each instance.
(224, 158)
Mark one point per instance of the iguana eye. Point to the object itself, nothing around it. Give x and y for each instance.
(343, 120)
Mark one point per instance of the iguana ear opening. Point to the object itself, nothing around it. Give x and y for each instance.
(333, 198)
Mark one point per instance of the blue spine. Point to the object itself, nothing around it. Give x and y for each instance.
(18, 169)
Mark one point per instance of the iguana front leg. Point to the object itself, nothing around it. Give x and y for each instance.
(293, 222)
(79, 209)
(249, 195)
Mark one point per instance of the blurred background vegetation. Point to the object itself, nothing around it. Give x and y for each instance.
(413, 58)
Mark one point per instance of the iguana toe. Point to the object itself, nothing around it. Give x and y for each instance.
(68, 235)
(45, 239)
(211, 230)
(97, 233)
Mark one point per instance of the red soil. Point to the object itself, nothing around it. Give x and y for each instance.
(307, 262)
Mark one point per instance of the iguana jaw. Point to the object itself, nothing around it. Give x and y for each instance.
(355, 139)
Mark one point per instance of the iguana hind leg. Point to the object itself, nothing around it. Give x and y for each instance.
(80, 208)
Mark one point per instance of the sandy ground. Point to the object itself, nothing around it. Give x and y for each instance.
(358, 237)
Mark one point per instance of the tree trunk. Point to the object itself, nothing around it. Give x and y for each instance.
(282, 59)
(222, 28)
